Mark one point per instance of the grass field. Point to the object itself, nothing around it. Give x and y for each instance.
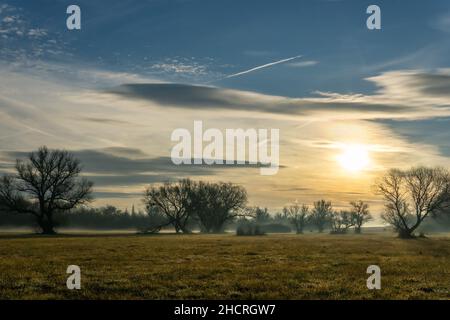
(224, 267)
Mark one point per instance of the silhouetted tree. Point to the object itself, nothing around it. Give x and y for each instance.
(297, 215)
(214, 204)
(411, 196)
(46, 183)
(341, 221)
(156, 220)
(360, 214)
(281, 217)
(262, 215)
(174, 201)
(321, 214)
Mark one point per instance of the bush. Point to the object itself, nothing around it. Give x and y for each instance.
(249, 229)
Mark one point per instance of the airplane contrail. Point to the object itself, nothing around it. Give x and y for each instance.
(260, 67)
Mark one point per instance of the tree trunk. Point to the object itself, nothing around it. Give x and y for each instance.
(408, 233)
(45, 221)
(46, 227)
(405, 233)
(48, 230)
(181, 228)
(358, 230)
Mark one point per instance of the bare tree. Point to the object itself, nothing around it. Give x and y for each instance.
(297, 215)
(214, 204)
(341, 221)
(173, 200)
(155, 221)
(360, 214)
(261, 215)
(321, 214)
(46, 183)
(413, 195)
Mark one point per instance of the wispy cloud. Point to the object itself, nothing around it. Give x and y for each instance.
(185, 69)
(92, 123)
(22, 40)
(401, 94)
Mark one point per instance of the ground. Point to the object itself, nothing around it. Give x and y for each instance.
(311, 266)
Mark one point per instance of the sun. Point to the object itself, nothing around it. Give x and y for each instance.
(354, 158)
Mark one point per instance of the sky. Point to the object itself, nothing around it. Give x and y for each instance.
(113, 92)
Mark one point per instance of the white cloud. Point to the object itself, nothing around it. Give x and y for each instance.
(22, 40)
(37, 33)
(9, 19)
(401, 95)
(61, 113)
(183, 68)
(180, 68)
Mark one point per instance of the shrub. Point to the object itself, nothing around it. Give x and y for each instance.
(249, 229)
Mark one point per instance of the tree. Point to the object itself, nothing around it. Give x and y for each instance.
(281, 217)
(214, 204)
(174, 201)
(46, 183)
(297, 215)
(156, 219)
(321, 214)
(413, 195)
(360, 214)
(262, 215)
(341, 221)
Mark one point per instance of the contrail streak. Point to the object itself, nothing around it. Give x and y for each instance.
(260, 67)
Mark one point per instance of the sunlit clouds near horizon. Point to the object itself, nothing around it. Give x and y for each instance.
(345, 114)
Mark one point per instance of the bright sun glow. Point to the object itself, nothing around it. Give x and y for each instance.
(354, 158)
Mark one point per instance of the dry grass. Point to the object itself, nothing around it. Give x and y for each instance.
(224, 267)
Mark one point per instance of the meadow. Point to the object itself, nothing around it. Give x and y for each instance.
(198, 266)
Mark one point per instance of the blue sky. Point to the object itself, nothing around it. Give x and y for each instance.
(224, 37)
(387, 89)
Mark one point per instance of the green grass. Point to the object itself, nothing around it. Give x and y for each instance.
(224, 267)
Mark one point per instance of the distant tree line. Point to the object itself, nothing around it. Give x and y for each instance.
(47, 191)
(322, 216)
(106, 218)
